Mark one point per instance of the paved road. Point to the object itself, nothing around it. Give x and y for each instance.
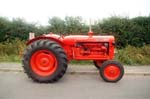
(16, 85)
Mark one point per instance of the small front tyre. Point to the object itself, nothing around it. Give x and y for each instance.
(111, 71)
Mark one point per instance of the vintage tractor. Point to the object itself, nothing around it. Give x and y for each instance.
(46, 57)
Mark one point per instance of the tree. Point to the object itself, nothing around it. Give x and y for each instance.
(4, 28)
(20, 29)
(73, 25)
(118, 27)
(57, 25)
(142, 29)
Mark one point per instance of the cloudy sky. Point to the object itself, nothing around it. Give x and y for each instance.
(39, 11)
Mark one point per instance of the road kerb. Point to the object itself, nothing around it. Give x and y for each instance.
(79, 72)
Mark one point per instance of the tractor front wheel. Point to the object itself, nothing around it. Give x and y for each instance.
(44, 61)
(111, 71)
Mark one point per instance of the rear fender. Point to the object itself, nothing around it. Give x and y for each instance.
(43, 38)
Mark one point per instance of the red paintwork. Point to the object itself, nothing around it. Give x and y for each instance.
(84, 47)
(112, 72)
(43, 63)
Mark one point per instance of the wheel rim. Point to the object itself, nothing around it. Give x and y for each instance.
(43, 63)
(112, 72)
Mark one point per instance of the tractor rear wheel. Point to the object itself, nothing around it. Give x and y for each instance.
(97, 63)
(45, 61)
(111, 71)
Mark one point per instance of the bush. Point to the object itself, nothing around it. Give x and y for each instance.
(15, 47)
(135, 31)
(12, 51)
(134, 55)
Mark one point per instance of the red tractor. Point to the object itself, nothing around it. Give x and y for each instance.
(46, 57)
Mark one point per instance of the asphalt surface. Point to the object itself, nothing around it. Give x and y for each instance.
(80, 69)
(80, 82)
(16, 85)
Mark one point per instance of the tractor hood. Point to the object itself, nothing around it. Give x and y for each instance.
(72, 39)
(89, 38)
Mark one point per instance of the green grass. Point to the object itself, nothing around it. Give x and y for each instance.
(10, 58)
(11, 52)
(134, 55)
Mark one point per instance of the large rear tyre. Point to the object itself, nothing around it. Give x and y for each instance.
(111, 71)
(44, 61)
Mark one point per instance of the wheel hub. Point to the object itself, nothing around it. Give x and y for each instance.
(43, 62)
(112, 72)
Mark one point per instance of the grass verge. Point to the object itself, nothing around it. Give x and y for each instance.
(10, 52)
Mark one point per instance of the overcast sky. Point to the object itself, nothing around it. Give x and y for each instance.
(41, 10)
